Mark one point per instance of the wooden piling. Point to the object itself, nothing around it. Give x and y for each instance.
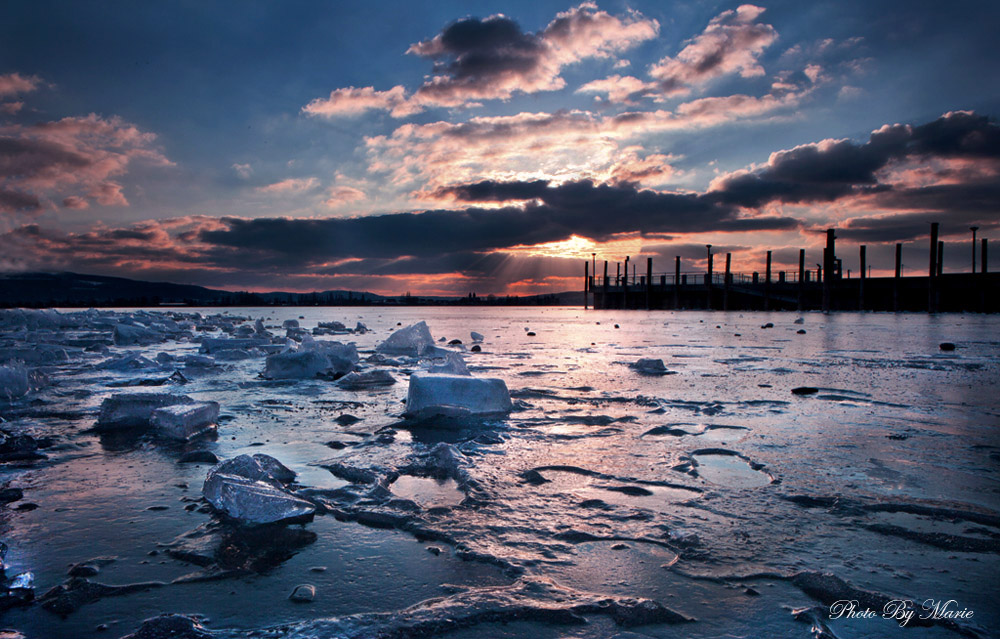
(726, 282)
(940, 258)
(802, 278)
(649, 280)
(625, 285)
(586, 282)
(932, 271)
(895, 282)
(829, 255)
(767, 283)
(677, 281)
(604, 287)
(983, 257)
(864, 274)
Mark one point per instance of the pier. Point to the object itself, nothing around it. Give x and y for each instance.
(822, 288)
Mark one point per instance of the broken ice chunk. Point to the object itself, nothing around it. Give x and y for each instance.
(456, 395)
(314, 358)
(449, 364)
(13, 381)
(257, 502)
(368, 379)
(134, 410)
(412, 341)
(251, 490)
(185, 421)
(210, 345)
(128, 335)
(476, 337)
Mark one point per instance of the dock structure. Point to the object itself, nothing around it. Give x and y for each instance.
(823, 288)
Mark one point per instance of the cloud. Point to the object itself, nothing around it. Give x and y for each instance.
(243, 170)
(12, 201)
(878, 193)
(290, 185)
(14, 84)
(351, 101)
(565, 145)
(833, 169)
(732, 43)
(75, 154)
(11, 108)
(492, 59)
(341, 195)
(620, 89)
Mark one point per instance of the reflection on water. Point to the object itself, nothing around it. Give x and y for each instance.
(601, 479)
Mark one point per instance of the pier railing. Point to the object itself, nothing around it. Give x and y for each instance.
(824, 287)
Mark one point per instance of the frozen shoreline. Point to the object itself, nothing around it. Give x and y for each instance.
(713, 491)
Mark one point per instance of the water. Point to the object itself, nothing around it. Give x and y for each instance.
(679, 488)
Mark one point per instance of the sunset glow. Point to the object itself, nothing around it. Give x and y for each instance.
(492, 151)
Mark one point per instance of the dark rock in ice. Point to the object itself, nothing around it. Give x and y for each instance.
(19, 447)
(955, 543)
(649, 366)
(171, 627)
(476, 348)
(667, 430)
(635, 491)
(946, 346)
(26, 507)
(533, 477)
(134, 410)
(303, 593)
(251, 490)
(228, 551)
(351, 473)
(801, 331)
(198, 457)
(346, 419)
(185, 421)
(368, 379)
(91, 567)
(454, 342)
(79, 591)
(805, 390)
(530, 333)
(9, 495)
(768, 325)
(336, 445)
(529, 599)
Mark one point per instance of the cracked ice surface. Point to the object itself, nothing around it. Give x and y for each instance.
(605, 495)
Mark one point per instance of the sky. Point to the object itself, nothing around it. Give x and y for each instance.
(490, 147)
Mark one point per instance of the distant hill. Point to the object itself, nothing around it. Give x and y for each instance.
(77, 290)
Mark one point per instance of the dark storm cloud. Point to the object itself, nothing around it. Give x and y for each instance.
(581, 208)
(834, 169)
(11, 201)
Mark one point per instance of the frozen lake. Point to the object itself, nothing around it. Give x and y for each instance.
(713, 490)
